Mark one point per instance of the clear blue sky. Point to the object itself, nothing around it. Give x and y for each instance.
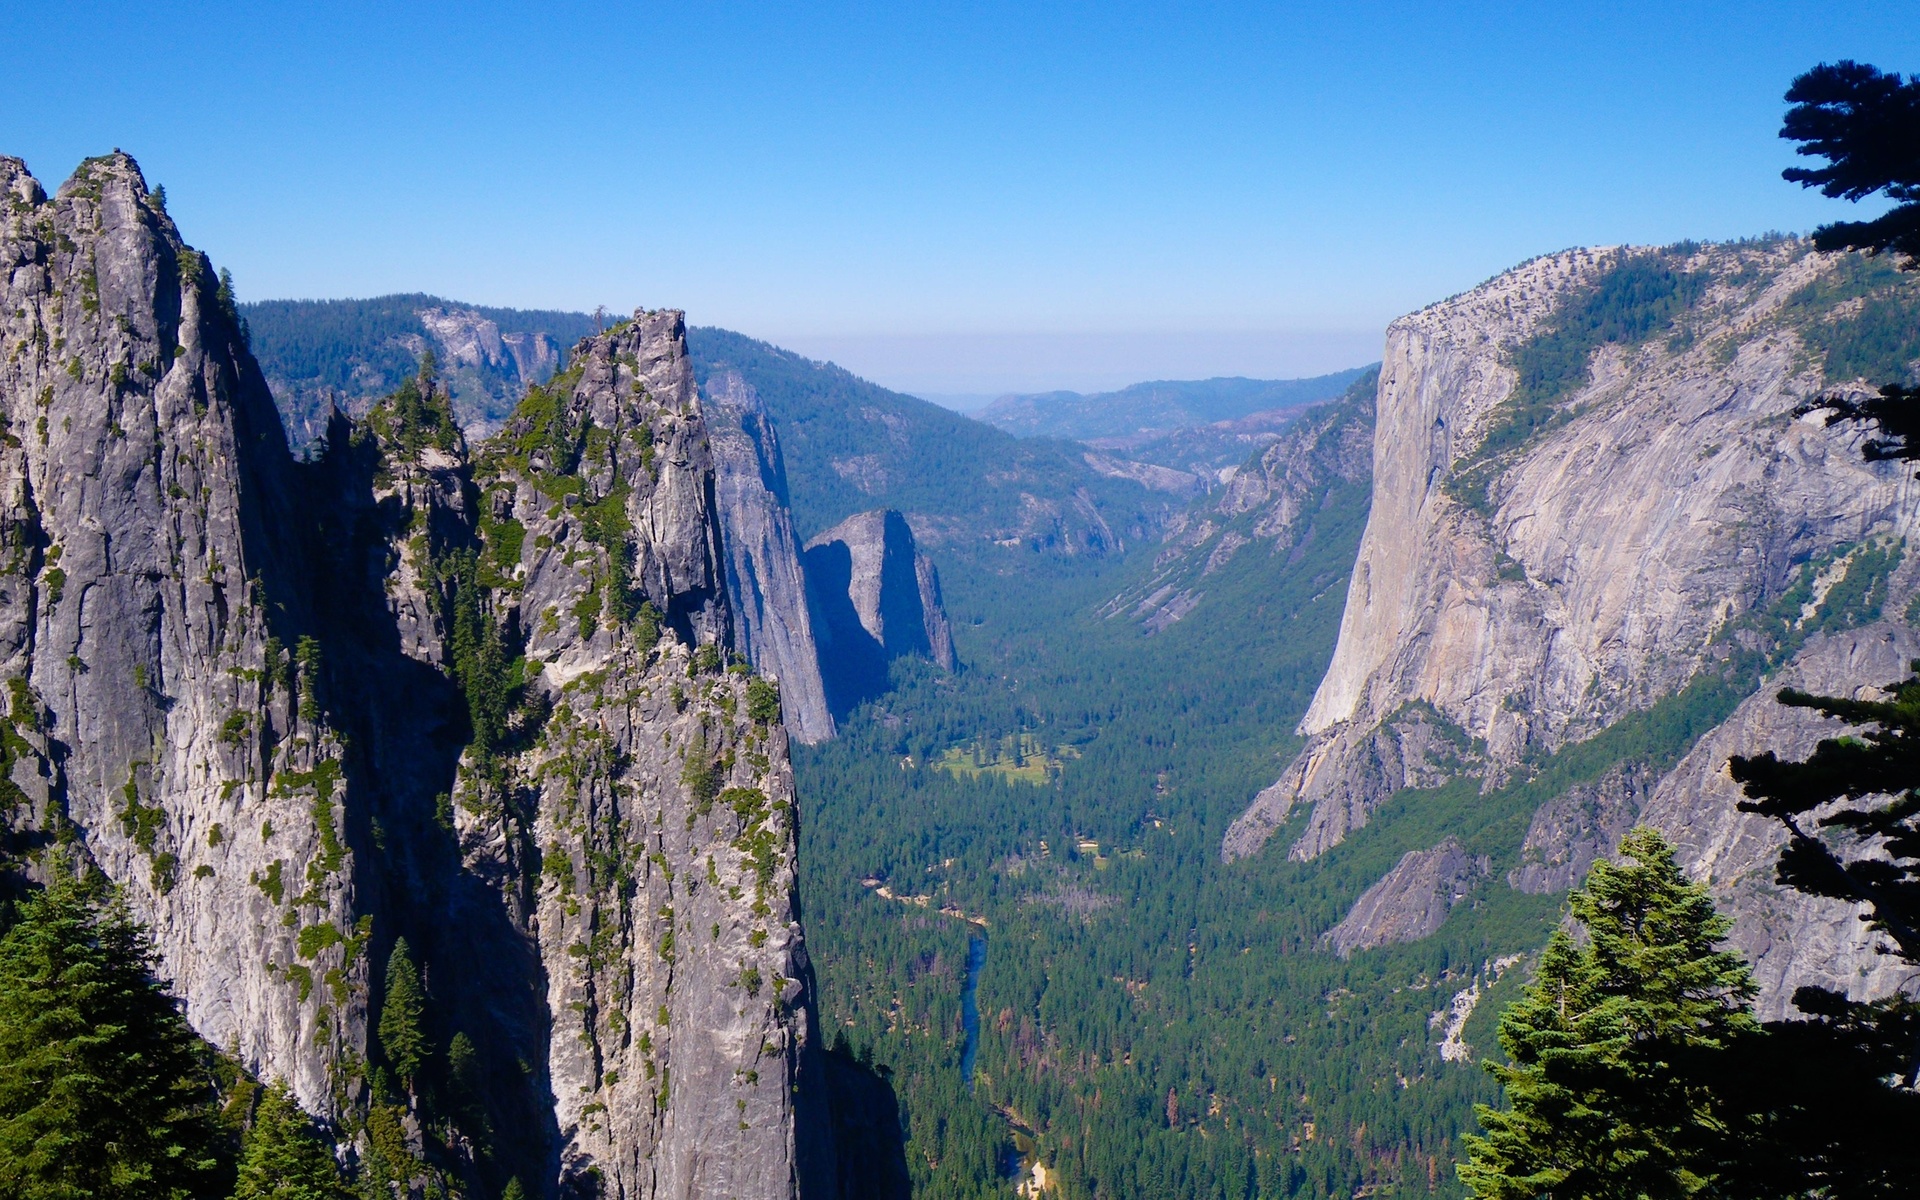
(1006, 195)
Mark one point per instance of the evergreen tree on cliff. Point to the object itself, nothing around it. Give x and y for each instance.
(1836, 1126)
(284, 1159)
(402, 1037)
(1615, 1049)
(1866, 124)
(102, 1090)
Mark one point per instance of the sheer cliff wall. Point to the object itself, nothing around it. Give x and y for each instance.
(477, 699)
(1591, 492)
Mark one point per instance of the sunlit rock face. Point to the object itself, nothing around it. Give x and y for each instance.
(485, 699)
(1524, 584)
(877, 598)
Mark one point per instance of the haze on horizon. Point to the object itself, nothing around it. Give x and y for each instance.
(1007, 199)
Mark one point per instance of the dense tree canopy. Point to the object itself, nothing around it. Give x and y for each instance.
(285, 1158)
(1605, 1077)
(103, 1092)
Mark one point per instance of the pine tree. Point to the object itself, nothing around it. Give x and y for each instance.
(1613, 1049)
(284, 1159)
(402, 1037)
(102, 1090)
(1866, 124)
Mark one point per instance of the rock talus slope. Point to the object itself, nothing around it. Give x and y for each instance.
(481, 702)
(1526, 581)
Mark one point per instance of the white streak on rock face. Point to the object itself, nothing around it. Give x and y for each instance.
(1453, 1048)
(1453, 1045)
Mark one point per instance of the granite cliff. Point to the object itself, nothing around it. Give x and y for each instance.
(1594, 509)
(484, 701)
(319, 354)
(878, 598)
(773, 615)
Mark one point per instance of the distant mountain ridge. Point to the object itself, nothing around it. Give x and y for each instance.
(352, 352)
(1158, 406)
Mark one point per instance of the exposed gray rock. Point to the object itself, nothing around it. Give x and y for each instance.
(1268, 504)
(1791, 939)
(663, 909)
(146, 619)
(1577, 828)
(1678, 494)
(275, 702)
(878, 598)
(1415, 748)
(1411, 901)
(768, 591)
(486, 370)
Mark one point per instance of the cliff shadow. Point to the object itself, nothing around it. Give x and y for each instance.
(853, 663)
(407, 725)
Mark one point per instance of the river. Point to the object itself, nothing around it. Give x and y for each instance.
(970, 1007)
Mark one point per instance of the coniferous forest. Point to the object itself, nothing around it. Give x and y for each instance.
(1031, 963)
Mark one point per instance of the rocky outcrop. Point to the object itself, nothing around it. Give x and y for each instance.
(1791, 939)
(1533, 587)
(322, 354)
(662, 807)
(1541, 564)
(149, 634)
(482, 702)
(1269, 504)
(879, 599)
(1578, 828)
(1411, 901)
(773, 624)
(486, 370)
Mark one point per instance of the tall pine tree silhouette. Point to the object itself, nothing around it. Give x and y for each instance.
(1836, 1127)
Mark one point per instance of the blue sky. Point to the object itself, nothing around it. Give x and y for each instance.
(952, 198)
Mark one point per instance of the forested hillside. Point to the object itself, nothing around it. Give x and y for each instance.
(1153, 1021)
(1157, 407)
(852, 445)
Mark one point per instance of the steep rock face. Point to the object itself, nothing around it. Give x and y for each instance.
(1534, 594)
(773, 624)
(662, 813)
(1410, 901)
(1268, 504)
(485, 368)
(1791, 939)
(148, 613)
(1578, 828)
(879, 599)
(300, 711)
